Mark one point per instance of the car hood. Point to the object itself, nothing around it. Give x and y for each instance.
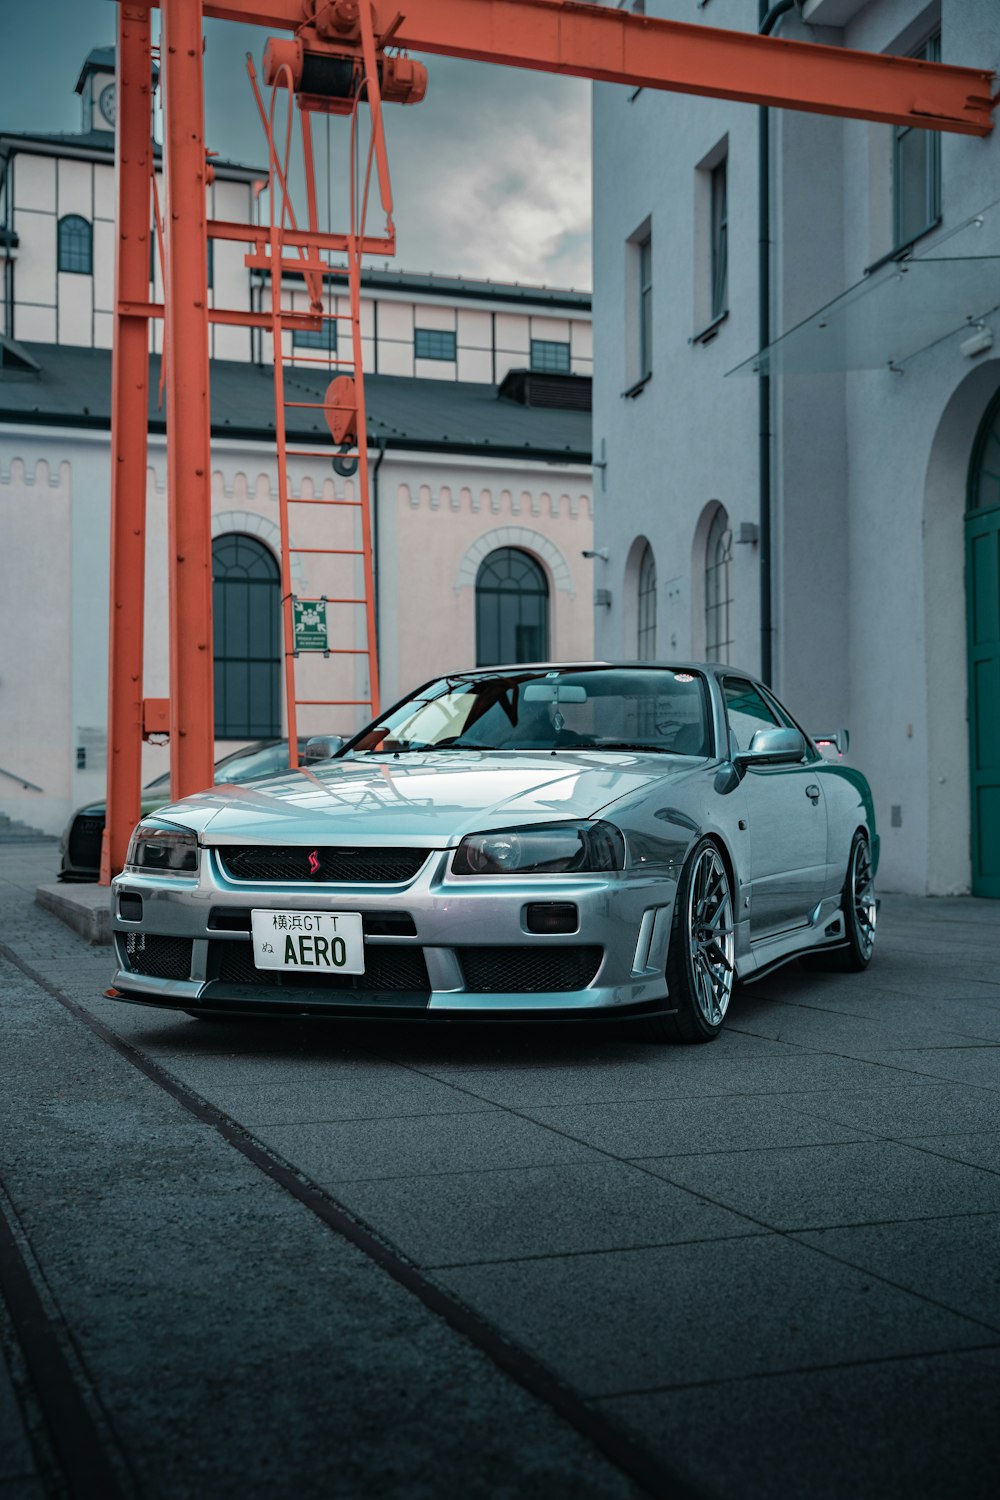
(430, 799)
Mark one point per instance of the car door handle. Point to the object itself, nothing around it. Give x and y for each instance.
(812, 792)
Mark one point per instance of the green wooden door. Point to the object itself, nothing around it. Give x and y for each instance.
(982, 591)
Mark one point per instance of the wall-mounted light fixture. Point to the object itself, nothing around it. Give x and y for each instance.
(979, 342)
(748, 533)
(602, 597)
(601, 552)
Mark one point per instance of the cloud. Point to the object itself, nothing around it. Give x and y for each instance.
(491, 173)
(494, 181)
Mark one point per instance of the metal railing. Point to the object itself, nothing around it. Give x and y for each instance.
(29, 786)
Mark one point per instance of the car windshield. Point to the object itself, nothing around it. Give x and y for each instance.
(603, 708)
(240, 766)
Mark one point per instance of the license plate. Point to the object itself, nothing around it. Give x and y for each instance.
(324, 942)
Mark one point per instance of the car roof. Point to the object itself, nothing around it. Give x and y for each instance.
(708, 668)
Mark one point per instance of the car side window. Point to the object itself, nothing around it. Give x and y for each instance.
(747, 712)
(785, 719)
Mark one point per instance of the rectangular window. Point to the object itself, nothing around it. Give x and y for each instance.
(211, 264)
(645, 248)
(433, 343)
(916, 169)
(720, 239)
(324, 337)
(546, 354)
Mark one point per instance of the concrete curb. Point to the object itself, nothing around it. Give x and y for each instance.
(85, 908)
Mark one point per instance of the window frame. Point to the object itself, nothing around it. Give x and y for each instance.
(323, 339)
(719, 239)
(928, 51)
(644, 262)
(645, 596)
(482, 592)
(434, 334)
(67, 226)
(227, 725)
(539, 365)
(716, 607)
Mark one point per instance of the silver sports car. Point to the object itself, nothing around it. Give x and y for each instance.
(513, 843)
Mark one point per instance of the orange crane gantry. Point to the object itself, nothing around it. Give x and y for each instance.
(559, 36)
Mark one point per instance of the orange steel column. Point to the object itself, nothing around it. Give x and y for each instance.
(192, 732)
(129, 409)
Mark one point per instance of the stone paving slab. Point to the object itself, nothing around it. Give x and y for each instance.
(814, 1186)
(953, 1261)
(684, 1127)
(905, 1106)
(536, 1211)
(835, 1434)
(480, 1142)
(681, 1315)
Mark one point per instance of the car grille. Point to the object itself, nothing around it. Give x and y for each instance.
(157, 957)
(336, 866)
(529, 970)
(84, 846)
(386, 968)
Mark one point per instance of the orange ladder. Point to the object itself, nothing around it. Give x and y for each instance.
(333, 614)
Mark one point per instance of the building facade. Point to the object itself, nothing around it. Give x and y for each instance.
(478, 399)
(881, 434)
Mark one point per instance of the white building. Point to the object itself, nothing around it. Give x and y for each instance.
(885, 413)
(478, 399)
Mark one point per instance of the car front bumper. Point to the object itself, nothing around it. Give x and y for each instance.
(435, 946)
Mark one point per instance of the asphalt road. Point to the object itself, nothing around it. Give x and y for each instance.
(379, 1260)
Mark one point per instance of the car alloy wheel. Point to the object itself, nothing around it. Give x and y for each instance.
(862, 888)
(710, 936)
(860, 910)
(701, 966)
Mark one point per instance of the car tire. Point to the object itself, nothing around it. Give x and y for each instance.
(860, 916)
(701, 965)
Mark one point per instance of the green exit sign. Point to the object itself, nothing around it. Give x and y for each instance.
(310, 625)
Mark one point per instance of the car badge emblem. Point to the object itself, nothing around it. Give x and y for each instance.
(314, 862)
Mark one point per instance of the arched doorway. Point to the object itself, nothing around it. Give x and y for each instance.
(512, 609)
(982, 592)
(246, 619)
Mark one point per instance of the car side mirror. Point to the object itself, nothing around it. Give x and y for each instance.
(772, 747)
(321, 747)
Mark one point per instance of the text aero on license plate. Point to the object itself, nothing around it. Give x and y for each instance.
(319, 941)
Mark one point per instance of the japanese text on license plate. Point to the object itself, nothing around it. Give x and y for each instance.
(318, 941)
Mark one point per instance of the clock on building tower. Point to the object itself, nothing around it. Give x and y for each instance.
(106, 103)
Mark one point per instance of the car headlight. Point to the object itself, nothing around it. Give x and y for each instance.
(159, 845)
(545, 849)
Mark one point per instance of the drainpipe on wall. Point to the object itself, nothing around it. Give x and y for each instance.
(768, 17)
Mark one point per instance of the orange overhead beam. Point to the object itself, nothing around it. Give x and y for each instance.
(618, 46)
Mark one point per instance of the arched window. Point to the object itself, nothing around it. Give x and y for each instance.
(76, 245)
(984, 471)
(718, 595)
(646, 612)
(246, 610)
(512, 609)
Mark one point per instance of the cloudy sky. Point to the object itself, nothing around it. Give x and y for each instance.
(491, 173)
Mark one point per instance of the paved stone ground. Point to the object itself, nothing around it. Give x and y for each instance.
(773, 1261)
